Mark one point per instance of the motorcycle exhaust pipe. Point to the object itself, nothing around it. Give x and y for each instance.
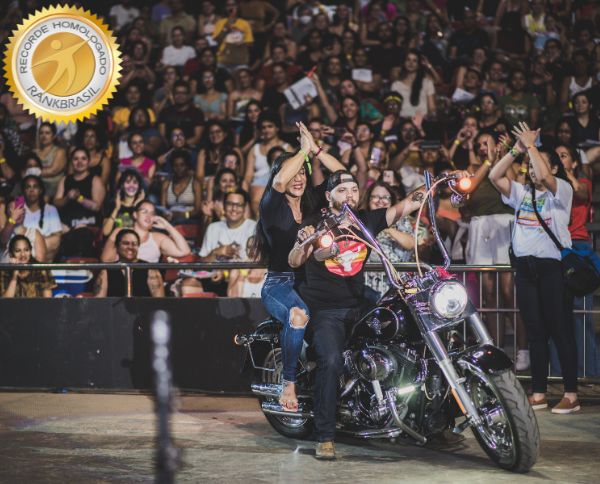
(275, 408)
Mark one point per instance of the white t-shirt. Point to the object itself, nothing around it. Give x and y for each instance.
(529, 238)
(173, 56)
(408, 110)
(52, 223)
(123, 15)
(218, 233)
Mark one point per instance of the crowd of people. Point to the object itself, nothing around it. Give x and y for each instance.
(211, 95)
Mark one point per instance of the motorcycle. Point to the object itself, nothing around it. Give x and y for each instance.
(414, 365)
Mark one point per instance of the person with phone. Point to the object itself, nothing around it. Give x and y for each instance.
(545, 200)
(234, 37)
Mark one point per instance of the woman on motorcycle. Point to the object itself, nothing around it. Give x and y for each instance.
(539, 282)
(287, 200)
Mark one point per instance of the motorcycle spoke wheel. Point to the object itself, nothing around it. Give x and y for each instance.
(495, 430)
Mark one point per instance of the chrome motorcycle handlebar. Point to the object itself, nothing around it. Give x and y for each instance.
(432, 218)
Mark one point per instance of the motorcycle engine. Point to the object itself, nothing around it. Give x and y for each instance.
(394, 365)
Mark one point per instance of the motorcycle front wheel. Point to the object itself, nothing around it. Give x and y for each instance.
(292, 427)
(509, 431)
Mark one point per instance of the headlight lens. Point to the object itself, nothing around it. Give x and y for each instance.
(448, 299)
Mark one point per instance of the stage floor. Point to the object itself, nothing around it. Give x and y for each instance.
(79, 438)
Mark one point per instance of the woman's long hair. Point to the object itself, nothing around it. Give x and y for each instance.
(260, 248)
(42, 200)
(417, 85)
(13, 242)
(247, 131)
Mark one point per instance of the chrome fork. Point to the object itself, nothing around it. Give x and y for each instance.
(456, 382)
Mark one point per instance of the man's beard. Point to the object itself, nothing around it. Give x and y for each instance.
(339, 206)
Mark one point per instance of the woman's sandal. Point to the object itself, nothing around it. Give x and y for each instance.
(288, 404)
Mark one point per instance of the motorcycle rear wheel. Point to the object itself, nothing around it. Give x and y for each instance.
(292, 427)
(509, 433)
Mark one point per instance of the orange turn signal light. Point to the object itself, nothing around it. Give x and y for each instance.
(464, 184)
(326, 241)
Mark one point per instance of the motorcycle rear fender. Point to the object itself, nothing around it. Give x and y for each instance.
(487, 358)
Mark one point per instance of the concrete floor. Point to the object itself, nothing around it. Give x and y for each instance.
(79, 438)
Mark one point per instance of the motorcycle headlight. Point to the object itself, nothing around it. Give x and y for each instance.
(448, 299)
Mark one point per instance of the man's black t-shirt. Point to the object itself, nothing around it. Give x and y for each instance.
(338, 283)
(279, 226)
(187, 120)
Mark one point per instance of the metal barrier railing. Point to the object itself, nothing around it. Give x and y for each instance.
(472, 277)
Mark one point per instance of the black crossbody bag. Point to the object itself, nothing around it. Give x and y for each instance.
(579, 272)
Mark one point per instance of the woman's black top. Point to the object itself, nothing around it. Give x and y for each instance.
(279, 226)
(117, 284)
(74, 214)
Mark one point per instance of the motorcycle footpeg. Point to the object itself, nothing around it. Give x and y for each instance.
(460, 428)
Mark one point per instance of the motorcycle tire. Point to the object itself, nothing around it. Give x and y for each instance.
(508, 413)
(292, 427)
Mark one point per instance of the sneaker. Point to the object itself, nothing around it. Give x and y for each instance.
(566, 406)
(325, 451)
(522, 362)
(538, 404)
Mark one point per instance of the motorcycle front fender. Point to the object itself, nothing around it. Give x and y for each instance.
(488, 358)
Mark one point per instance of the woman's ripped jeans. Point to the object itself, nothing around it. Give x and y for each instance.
(283, 303)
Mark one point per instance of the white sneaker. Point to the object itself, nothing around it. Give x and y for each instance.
(522, 361)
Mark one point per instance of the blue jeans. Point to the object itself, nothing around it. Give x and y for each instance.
(279, 297)
(587, 348)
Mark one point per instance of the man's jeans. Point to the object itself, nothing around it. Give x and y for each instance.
(328, 331)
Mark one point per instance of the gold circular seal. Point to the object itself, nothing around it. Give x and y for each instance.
(62, 64)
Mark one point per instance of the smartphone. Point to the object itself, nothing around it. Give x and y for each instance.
(19, 202)
(375, 156)
(388, 177)
(538, 141)
(431, 144)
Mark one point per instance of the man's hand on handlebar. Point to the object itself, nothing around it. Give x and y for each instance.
(305, 232)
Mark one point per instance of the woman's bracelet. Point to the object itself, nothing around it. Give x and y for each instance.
(514, 151)
(487, 162)
(523, 170)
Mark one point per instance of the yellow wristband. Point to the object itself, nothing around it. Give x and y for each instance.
(12, 221)
(80, 198)
(2, 160)
(306, 157)
(457, 142)
(523, 170)
(487, 162)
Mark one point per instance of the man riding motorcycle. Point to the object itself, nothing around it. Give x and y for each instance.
(333, 290)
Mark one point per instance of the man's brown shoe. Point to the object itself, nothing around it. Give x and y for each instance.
(325, 451)
(538, 404)
(566, 406)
